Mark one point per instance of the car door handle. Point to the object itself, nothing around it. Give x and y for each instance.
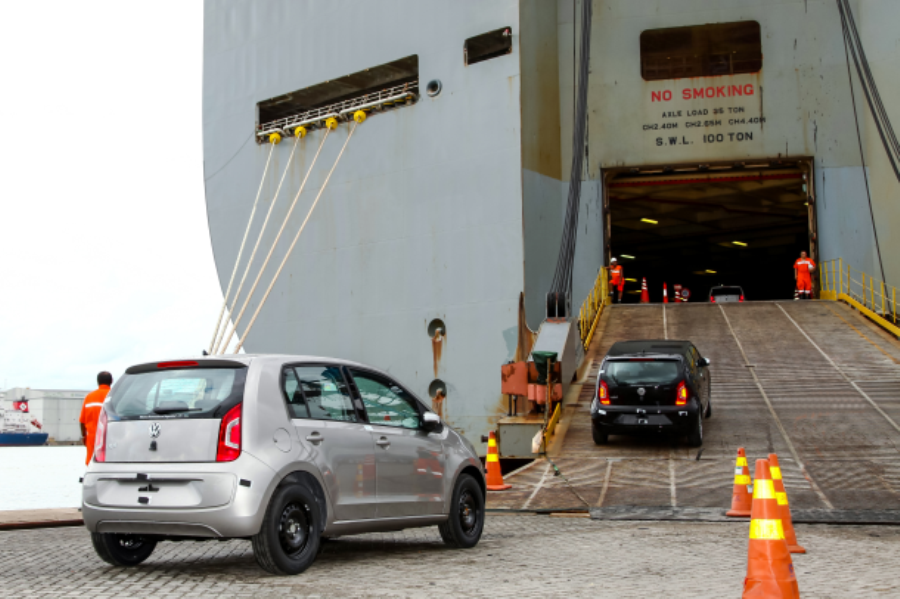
(315, 438)
(383, 442)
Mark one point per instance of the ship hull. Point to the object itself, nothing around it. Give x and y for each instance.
(23, 439)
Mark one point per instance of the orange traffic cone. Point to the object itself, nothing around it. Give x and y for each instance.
(740, 496)
(665, 294)
(494, 476)
(770, 571)
(781, 495)
(645, 295)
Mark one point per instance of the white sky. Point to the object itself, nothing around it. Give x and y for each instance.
(105, 259)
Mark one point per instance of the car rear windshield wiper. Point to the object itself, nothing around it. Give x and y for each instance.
(174, 410)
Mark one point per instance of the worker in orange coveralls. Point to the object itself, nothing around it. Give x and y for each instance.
(616, 280)
(803, 269)
(90, 412)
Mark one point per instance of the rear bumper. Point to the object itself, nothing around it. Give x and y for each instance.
(238, 515)
(636, 419)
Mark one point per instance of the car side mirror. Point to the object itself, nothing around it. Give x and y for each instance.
(705, 362)
(431, 422)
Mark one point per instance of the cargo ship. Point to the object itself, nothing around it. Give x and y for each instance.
(18, 428)
(721, 140)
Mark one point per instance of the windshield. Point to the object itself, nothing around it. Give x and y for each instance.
(171, 393)
(642, 372)
(727, 291)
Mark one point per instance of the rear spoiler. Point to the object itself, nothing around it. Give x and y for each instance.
(183, 365)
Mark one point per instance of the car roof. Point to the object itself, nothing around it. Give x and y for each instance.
(248, 358)
(648, 346)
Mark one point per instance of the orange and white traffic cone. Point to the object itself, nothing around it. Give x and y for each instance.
(741, 501)
(665, 294)
(645, 295)
(494, 476)
(781, 495)
(770, 571)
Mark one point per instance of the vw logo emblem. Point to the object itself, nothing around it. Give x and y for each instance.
(154, 430)
(641, 391)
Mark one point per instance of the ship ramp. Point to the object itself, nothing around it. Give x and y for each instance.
(814, 382)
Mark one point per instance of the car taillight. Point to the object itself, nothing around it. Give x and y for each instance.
(742, 298)
(712, 299)
(681, 395)
(229, 448)
(100, 438)
(603, 393)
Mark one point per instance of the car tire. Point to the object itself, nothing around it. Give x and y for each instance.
(695, 437)
(463, 528)
(289, 539)
(122, 550)
(708, 412)
(599, 438)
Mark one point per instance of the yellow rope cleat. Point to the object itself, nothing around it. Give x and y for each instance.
(359, 116)
(331, 123)
(300, 132)
(274, 138)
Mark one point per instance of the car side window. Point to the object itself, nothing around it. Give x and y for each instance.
(692, 363)
(386, 402)
(296, 402)
(326, 393)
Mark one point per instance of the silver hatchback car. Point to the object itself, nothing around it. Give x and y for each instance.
(281, 450)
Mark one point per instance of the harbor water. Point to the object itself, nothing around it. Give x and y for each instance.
(41, 477)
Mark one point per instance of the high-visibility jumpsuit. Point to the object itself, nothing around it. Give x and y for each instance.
(616, 280)
(804, 276)
(90, 414)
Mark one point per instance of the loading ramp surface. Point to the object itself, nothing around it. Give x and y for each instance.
(825, 398)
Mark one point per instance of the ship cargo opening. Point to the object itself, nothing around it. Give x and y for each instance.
(378, 88)
(701, 226)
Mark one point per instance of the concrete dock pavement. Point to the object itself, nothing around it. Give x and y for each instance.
(518, 556)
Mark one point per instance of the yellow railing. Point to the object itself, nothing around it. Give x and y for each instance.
(864, 292)
(592, 307)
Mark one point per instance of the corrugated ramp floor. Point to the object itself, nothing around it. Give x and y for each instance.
(831, 378)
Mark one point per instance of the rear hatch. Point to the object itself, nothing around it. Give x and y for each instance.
(726, 294)
(171, 411)
(643, 381)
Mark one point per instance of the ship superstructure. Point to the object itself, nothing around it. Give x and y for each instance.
(720, 141)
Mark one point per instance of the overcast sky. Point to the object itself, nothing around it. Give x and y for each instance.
(105, 259)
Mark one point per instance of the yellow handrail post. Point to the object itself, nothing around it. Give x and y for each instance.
(872, 290)
(840, 265)
(841, 271)
(882, 299)
(864, 289)
(833, 278)
(823, 280)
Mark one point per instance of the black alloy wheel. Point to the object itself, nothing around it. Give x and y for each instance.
(289, 539)
(695, 437)
(465, 524)
(121, 549)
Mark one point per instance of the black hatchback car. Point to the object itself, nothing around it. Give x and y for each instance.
(653, 385)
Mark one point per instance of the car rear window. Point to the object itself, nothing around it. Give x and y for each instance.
(642, 371)
(178, 393)
(727, 291)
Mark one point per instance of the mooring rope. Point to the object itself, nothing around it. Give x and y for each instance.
(265, 263)
(258, 240)
(237, 261)
(294, 242)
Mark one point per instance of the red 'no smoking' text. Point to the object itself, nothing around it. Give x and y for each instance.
(713, 91)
